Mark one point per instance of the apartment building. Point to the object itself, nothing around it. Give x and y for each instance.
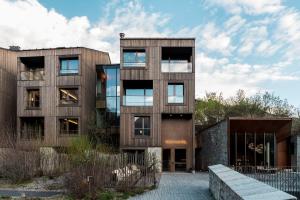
(157, 90)
(8, 88)
(56, 93)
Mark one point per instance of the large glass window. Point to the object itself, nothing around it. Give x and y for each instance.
(69, 66)
(142, 126)
(138, 97)
(134, 58)
(68, 96)
(33, 98)
(252, 149)
(175, 93)
(68, 126)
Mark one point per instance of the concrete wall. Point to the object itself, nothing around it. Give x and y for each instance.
(295, 158)
(225, 183)
(213, 147)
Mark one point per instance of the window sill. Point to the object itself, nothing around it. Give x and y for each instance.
(68, 105)
(76, 74)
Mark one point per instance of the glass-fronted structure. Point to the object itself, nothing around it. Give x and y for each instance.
(108, 99)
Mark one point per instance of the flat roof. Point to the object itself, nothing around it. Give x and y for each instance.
(156, 38)
(57, 48)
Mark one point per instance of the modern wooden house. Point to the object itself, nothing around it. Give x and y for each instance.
(157, 91)
(56, 93)
(8, 88)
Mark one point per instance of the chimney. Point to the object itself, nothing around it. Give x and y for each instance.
(122, 35)
(14, 48)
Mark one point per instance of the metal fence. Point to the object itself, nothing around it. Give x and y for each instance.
(286, 179)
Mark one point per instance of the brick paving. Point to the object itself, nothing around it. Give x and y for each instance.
(183, 186)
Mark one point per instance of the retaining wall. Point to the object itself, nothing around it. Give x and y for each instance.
(225, 183)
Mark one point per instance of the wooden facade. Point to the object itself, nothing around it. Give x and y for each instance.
(50, 109)
(8, 88)
(166, 132)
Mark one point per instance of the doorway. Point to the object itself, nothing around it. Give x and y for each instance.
(180, 159)
(174, 160)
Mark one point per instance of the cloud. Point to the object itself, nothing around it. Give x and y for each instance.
(252, 7)
(31, 25)
(221, 75)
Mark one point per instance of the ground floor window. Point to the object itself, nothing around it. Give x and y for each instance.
(252, 149)
(32, 128)
(68, 126)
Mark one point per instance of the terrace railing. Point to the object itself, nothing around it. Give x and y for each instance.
(32, 75)
(286, 179)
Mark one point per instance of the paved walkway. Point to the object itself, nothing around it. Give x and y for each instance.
(184, 186)
(19, 193)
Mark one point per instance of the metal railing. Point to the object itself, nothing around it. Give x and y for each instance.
(32, 75)
(176, 66)
(33, 104)
(286, 179)
(137, 100)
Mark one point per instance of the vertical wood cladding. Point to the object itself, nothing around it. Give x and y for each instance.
(8, 91)
(152, 71)
(50, 109)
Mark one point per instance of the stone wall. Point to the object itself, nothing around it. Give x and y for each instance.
(213, 148)
(225, 183)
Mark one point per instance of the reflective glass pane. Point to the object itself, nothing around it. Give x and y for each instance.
(147, 132)
(73, 65)
(170, 90)
(149, 92)
(129, 57)
(179, 90)
(134, 92)
(138, 122)
(111, 104)
(141, 57)
(63, 64)
(146, 122)
(111, 82)
(138, 131)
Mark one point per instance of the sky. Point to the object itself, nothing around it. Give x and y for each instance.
(240, 44)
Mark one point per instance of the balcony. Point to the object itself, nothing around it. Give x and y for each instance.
(138, 100)
(176, 59)
(170, 66)
(32, 75)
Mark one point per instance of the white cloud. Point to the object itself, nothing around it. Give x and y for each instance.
(220, 75)
(31, 25)
(253, 7)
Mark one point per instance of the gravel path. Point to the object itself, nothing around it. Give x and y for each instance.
(179, 186)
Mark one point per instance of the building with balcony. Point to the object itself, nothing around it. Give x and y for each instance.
(8, 88)
(157, 90)
(56, 93)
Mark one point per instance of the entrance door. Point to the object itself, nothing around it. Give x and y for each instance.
(166, 159)
(180, 159)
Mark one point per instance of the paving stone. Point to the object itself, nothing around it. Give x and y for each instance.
(183, 186)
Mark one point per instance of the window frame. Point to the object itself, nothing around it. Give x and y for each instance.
(68, 88)
(143, 126)
(68, 58)
(174, 84)
(136, 50)
(67, 133)
(27, 98)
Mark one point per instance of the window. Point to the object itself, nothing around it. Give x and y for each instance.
(175, 93)
(33, 98)
(134, 58)
(138, 97)
(69, 66)
(68, 126)
(68, 96)
(142, 126)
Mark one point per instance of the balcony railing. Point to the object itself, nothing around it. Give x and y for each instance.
(137, 100)
(176, 66)
(35, 75)
(33, 104)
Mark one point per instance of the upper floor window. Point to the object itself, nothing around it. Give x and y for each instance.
(175, 93)
(33, 98)
(69, 66)
(68, 126)
(176, 59)
(134, 58)
(32, 68)
(68, 96)
(138, 93)
(142, 126)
